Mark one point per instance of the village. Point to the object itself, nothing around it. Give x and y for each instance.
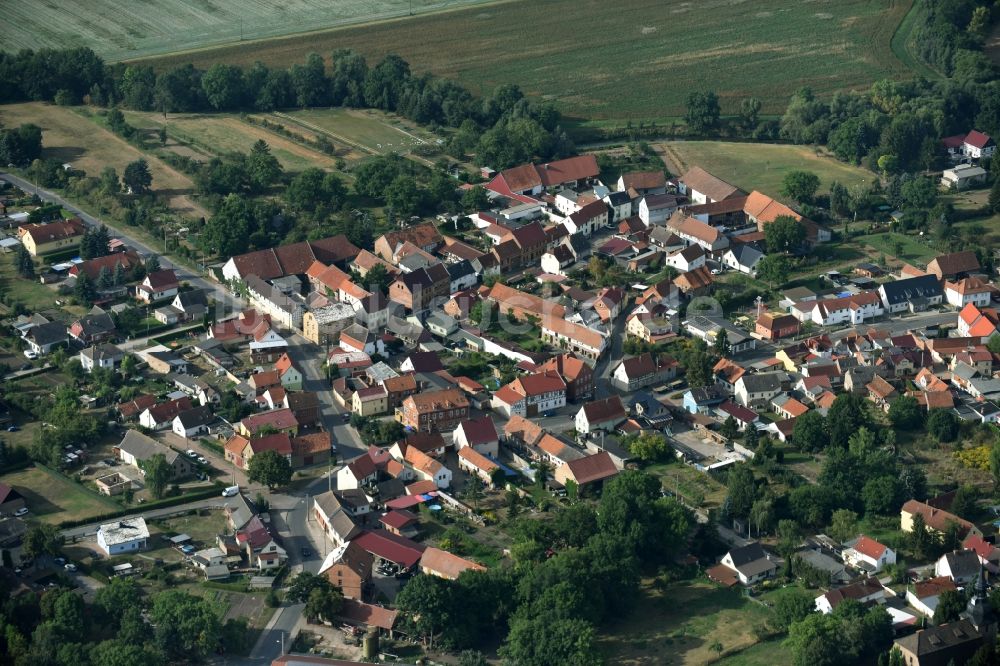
(326, 408)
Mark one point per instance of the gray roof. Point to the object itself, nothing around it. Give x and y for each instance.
(963, 563)
(911, 289)
(47, 334)
(191, 298)
(103, 351)
(142, 447)
(763, 381)
(746, 255)
(241, 510)
(460, 269)
(199, 416)
(751, 552)
(618, 198)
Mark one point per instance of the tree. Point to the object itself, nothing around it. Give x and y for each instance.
(428, 606)
(223, 86)
(846, 416)
(810, 432)
(544, 640)
(41, 539)
(905, 413)
(188, 627)
(721, 344)
(774, 269)
(263, 168)
(920, 540)
(817, 640)
(791, 607)
(742, 490)
(270, 468)
(994, 200)
(964, 501)
(881, 495)
(995, 464)
(762, 515)
(749, 112)
(84, 289)
(475, 199)
(844, 525)
(729, 428)
(633, 510)
(650, 446)
(24, 263)
(942, 424)
(950, 605)
(840, 200)
(137, 177)
(324, 602)
(157, 472)
(784, 234)
(703, 112)
(800, 186)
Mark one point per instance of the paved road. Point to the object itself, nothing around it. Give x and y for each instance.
(218, 292)
(606, 364)
(91, 528)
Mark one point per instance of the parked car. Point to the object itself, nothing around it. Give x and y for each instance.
(203, 460)
(69, 566)
(191, 454)
(23, 511)
(12, 428)
(30, 354)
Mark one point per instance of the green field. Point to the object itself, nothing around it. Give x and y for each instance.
(912, 249)
(121, 29)
(760, 166)
(370, 132)
(632, 59)
(53, 499)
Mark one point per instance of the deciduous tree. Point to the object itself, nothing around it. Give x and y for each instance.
(270, 468)
(157, 473)
(800, 186)
(784, 234)
(137, 177)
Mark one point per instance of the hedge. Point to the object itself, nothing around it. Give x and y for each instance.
(148, 506)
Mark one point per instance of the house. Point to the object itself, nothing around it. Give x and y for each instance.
(92, 328)
(10, 500)
(526, 181)
(359, 339)
(212, 562)
(773, 325)
(954, 265)
(555, 451)
(881, 392)
(42, 239)
(868, 554)
(311, 449)
(280, 420)
(531, 395)
(43, 338)
(322, 325)
(757, 390)
(967, 291)
(762, 210)
(975, 145)
(574, 337)
(989, 554)
(282, 308)
(127, 535)
(964, 177)
(476, 464)
(588, 219)
(654, 209)
(424, 236)
(855, 309)
(643, 370)
(294, 259)
(911, 294)
(743, 258)
(161, 415)
(109, 264)
(688, 259)
(136, 449)
(695, 232)
(747, 564)
(290, 375)
(415, 290)
(441, 563)
(427, 468)
(651, 328)
(333, 520)
(401, 523)
(703, 400)
(193, 423)
(643, 182)
(936, 520)
(962, 566)
(349, 567)
(105, 356)
(695, 283)
(388, 547)
(588, 470)
(709, 328)
(925, 594)
(190, 305)
(744, 417)
(130, 411)
(865, 592)
(522, 305)
(480, 434)
(157, 286)
(951, 643)
(702, 187)
(431, 411)
(575, 372)
(600, 415)
(461, 275)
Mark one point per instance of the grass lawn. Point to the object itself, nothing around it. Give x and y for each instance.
(766, 653)
(219, 133)
(365, 131)
(34, 295)
(71, 137)
(760, 166)
(912, 248)
(202, 526)
(666, 48)
(54, 499)
(690, 483)
(680, 624)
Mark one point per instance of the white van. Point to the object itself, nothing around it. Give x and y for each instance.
(231, 491)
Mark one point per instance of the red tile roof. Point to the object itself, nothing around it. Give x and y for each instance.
(400, 550)
(479, 431)
(592, 468)
(869, 547)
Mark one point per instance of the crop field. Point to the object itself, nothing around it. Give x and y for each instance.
(121, 29)
(70, 137)
(760, 166)
(215, 134)
(631, 59)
